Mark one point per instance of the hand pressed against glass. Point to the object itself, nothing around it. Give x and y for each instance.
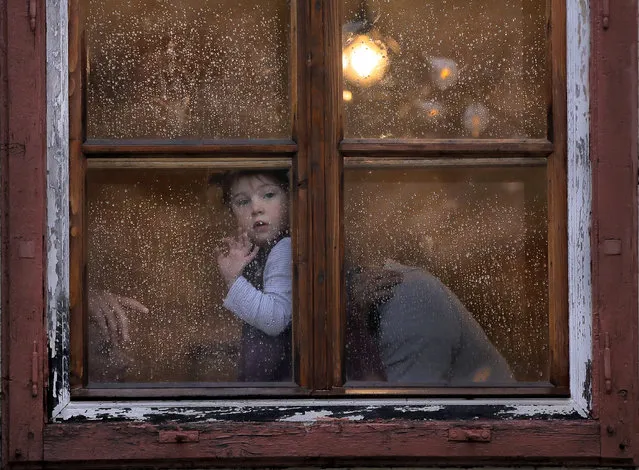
(109, 312)
(240, 253)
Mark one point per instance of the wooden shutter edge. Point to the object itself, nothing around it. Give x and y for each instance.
(613, 153)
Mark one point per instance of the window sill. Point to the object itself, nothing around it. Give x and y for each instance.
(322, 437)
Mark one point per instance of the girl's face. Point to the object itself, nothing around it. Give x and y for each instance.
(260, 206)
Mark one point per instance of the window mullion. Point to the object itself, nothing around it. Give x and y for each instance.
(324, 190)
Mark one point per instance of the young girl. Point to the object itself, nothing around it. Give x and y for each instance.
(257, 268)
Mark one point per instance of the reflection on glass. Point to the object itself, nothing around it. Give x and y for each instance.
(447, 276)
(194, 69)
(364, 60)
(189, 276)
(483, 63)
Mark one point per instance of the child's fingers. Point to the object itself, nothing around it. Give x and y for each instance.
(231, 242)
(247, 246)
(252, 254)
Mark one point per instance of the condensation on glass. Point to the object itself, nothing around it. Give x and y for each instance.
(188, 69)
(469, 305)
(155, 236)
(448, 69)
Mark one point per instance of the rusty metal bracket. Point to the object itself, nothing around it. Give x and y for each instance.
(178, 437)
(607, 363)
(35, 361)
(33, 11)
(470, 434)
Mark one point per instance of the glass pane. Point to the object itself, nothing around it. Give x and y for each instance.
(198, 307)
(192, 69)
(447, 275)
(447, 69)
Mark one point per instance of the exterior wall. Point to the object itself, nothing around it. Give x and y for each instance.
(57, 182)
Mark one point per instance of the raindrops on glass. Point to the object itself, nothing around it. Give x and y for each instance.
(482, 232)
(462, 55)
(152, 236)
(189, 68)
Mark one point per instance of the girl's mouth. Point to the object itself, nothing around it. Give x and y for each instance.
(259, 225)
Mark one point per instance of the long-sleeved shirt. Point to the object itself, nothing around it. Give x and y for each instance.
(270, 309)
(428, 336)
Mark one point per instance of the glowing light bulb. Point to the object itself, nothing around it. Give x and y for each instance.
(364, 60)
(347, 95)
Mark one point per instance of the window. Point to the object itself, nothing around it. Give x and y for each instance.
(453, 138)
(378, 177)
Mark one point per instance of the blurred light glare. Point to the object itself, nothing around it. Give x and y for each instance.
(365, 60)
(444, 72)
(476, 119)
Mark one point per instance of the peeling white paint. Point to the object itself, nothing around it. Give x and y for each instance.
(57, 302)
(580, 305)
(307, 416)
(310, 410)
(579, 203)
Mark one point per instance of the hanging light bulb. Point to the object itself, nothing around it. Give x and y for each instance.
(444, 72)
(365, 60)
(476, 119)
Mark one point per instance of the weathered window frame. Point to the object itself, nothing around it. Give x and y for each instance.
(596, 425)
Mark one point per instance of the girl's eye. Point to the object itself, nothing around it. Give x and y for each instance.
(241, 202)
(269, 195)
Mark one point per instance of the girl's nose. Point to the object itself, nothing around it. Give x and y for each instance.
(257, 208)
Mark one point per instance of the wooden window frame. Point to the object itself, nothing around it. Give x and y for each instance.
(319, 431)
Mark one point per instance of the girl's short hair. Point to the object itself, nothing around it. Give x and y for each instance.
(227, 179)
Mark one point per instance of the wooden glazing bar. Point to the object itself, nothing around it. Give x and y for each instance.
(190, 147)
(385, 162)
(558, 202)
(335, 303)
(447, 147)
(141, 391)
(548, 390)
(192, 163)
(319, 146)
(77, 224)
(267, 389)
(301, 210)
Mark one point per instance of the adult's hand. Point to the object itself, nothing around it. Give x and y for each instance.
(370, 287)
(109, 312)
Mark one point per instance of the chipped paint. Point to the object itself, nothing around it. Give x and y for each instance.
(311, 411)
(57, 201)
(580, 305)
(579, 203)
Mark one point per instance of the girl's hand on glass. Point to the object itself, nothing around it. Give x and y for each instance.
(232, 261)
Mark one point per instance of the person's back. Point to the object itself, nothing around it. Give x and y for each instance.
(427, 336)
